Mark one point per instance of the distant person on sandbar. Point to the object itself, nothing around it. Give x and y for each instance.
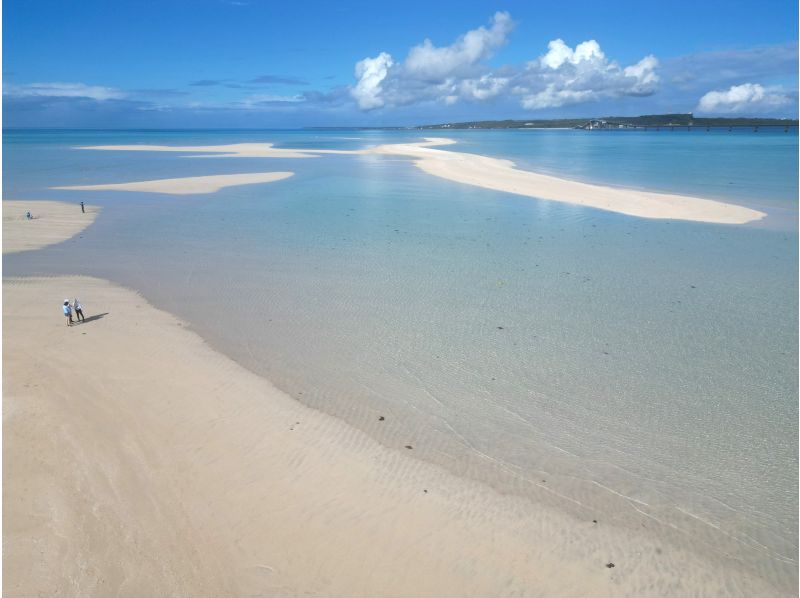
(28, 216)
(68, 312)
(76, 305)
(83, 210)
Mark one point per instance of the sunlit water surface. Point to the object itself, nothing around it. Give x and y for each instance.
(644, 369)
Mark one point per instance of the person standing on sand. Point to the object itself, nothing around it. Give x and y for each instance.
(68, 312)
(83, 210)
(76, 305)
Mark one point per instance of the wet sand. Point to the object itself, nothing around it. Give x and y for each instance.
(138, 461)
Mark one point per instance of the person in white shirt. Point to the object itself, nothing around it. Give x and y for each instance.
(76, 305)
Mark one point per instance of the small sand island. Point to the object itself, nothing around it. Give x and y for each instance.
(471, 169)
(51, 222)
(187, 185)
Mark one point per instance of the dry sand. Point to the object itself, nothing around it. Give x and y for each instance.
(501, 175)
(53, 222)
(188, 185)
(139, 462)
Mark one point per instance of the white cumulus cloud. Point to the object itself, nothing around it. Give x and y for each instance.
(429, 72)
(460, 72)
(428, 62)
(746, 97)
(64, 90)
(558, 53)
(370, 73)
(565, 76)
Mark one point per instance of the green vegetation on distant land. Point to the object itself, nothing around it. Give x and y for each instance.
(649, 120)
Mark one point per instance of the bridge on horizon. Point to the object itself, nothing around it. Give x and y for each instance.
(608, 125)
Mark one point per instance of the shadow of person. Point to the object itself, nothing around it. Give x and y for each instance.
(93, 318)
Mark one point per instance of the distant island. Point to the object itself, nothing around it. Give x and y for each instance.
(618, 122)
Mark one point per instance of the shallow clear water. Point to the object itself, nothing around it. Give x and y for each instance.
(641, 369)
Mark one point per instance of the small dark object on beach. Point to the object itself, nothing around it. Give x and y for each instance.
(610, 565)
(694, 287)
(425, 491)
(594, 520)
(409, 447)
(544, 481)
(381, 418)
(499, 327)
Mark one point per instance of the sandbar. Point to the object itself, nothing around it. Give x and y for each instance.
(140, 462)
(52, 222)
(236, 150)
(187, 185)
(502, 175)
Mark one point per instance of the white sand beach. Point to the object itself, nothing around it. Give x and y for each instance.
(140, 462)
(187, 185)
(52, 222)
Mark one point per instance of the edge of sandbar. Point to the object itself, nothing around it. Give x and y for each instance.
(52, 222)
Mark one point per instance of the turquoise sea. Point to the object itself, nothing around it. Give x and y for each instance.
(640, 370)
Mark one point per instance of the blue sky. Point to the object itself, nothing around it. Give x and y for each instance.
(251, 63)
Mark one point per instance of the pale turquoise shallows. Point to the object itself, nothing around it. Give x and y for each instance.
(637, 370)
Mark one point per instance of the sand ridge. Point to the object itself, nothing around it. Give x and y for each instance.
(52, 222)
(187, 185)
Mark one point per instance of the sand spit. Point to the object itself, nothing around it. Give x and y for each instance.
(235, 150)
(502, 175)
(188, 185)
(52, 222)
(138, 461)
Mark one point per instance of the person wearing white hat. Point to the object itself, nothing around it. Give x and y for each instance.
(68, 312)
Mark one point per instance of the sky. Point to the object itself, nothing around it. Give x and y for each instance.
(268, 64)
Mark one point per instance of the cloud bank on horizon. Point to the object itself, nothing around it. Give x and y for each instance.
(459, 72)
(740, 98)
(465, 73)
